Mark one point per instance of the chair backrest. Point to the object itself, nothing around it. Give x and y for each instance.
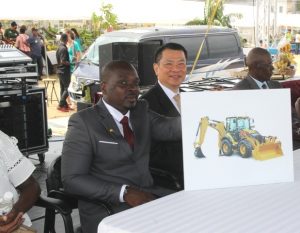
(53, 181)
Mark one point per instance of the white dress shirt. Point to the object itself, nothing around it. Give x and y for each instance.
(259, 83)
(170, 94)
(118, 116)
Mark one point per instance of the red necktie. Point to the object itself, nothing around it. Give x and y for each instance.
(128, 134)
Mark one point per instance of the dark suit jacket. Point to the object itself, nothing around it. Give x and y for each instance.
(248, 83)
(97, 160)
(165, 155)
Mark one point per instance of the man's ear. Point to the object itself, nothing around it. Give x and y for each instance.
(103, 87)
(155, 68)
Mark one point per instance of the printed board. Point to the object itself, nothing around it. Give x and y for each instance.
(236, 138)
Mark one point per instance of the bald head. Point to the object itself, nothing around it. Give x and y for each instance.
(259, 63)
(256, 56)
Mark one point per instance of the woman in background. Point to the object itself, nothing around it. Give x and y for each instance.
(77, 38)
(21, 41)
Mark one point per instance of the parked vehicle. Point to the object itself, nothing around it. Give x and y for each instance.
(138, 46)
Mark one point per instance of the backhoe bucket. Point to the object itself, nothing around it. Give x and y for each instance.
(268, 150)
(198, 152)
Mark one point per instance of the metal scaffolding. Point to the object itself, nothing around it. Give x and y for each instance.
(265, 21)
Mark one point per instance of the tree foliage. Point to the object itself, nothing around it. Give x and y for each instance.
(214, 15)
(105, 20)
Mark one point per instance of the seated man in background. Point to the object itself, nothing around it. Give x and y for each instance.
(170, 69)
(260, 68)
(16, 177)
(106, 149)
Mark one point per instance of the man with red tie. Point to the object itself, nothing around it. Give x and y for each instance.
(106, 150)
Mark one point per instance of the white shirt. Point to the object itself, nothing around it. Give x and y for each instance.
(118, 116)
(170, 94)
(259, 83)
(14, 168)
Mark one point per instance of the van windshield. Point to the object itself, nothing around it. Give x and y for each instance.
(93, 51)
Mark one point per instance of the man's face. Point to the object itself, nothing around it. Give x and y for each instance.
(171, 69)
(121, 90)
(263, 69)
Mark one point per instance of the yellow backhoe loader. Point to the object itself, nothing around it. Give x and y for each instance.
(239, 136)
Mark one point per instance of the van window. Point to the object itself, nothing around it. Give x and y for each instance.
(192, 45)
(222, 46)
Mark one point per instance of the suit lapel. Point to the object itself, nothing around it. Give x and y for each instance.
(107, 121)
(252, 83)
(165, 102)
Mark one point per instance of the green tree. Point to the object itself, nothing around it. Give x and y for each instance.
(214, 15)
(105, 20)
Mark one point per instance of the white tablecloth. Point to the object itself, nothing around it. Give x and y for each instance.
(273, 208)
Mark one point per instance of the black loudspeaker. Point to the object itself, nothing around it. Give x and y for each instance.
(140, 55)
(25, 118)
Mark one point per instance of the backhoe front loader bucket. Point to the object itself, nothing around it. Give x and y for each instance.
(198, 152)
(268, 150)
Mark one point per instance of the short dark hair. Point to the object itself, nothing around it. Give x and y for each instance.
(23, 29)
(13, 24)
(64, 37)
(111, 66)
(34, 29)
(172, 46)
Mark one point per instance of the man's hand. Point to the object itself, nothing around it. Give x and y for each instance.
(135, 197)
(8, 225)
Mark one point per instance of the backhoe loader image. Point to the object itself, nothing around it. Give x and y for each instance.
(239, 136)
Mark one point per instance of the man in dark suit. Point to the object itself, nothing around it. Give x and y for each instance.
(170, 69)
(106, 150)
(261, 68)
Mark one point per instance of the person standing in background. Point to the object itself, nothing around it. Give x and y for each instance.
(297, 41)
(73, 49)
(11, 33)
(74, 56)
(21, 41)
(289, 35)
(77, 38)
(35, 44)
(64, 72)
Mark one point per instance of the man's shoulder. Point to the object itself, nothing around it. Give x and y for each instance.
(154, 93)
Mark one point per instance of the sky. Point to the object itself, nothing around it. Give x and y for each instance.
(128, 11)
(163, 11)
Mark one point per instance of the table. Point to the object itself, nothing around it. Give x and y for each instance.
(273, 208)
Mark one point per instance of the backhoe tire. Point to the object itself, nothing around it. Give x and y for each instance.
(245, 149)
(226, 147)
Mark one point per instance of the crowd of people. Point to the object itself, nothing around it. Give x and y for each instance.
(31, 42)
(108, 147)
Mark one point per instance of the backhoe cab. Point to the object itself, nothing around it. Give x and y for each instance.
(239, 137)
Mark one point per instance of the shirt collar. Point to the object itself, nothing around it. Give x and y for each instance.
(168, 91)
(116, 114)
(259, 83)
